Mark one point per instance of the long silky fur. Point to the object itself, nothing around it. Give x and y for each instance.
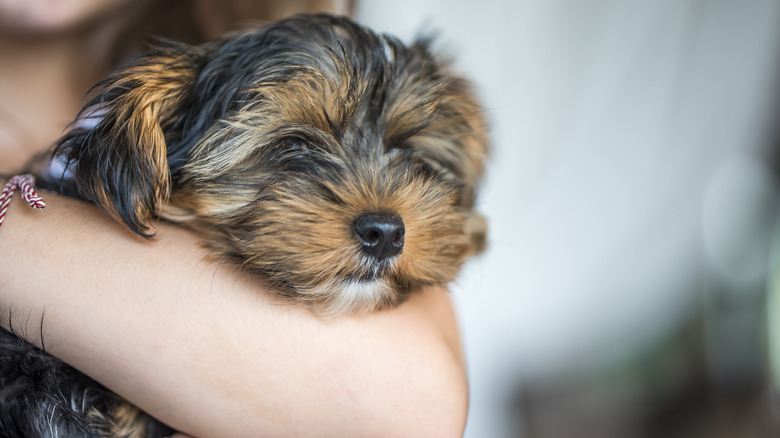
(122, 141)
(40, 396)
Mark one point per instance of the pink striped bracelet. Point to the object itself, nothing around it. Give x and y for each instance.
(26, 184)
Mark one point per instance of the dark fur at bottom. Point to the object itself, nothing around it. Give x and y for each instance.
(41, 396)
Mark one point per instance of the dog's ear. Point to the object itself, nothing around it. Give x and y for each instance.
(116, 149)
(449, 125)
(470, 125)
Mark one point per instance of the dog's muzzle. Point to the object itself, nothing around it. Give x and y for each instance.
(381, 236)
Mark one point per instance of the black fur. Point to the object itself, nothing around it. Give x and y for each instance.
(40, 396)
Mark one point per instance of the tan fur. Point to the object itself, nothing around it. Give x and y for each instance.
(123, 421)
(141, 116)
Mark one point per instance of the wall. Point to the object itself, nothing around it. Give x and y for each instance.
(627, 163)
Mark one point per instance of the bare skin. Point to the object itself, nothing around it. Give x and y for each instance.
(197, 343)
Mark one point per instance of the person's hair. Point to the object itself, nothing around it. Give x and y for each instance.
(197, 21)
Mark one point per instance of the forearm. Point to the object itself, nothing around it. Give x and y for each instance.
(207, 350)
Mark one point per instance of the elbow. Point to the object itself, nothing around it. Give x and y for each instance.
(420, 384)
(429, 400)
(441, 405)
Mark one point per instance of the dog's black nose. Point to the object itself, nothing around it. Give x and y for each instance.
(382, 236)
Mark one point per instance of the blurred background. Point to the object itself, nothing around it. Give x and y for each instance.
(632, 197)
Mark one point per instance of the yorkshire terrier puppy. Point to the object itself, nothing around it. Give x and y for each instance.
(340, 165)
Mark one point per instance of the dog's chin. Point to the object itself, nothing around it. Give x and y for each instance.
(353, 296)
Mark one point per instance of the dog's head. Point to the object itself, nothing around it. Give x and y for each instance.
(339, 164)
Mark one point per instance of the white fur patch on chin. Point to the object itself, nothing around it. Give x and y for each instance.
(354, 296)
